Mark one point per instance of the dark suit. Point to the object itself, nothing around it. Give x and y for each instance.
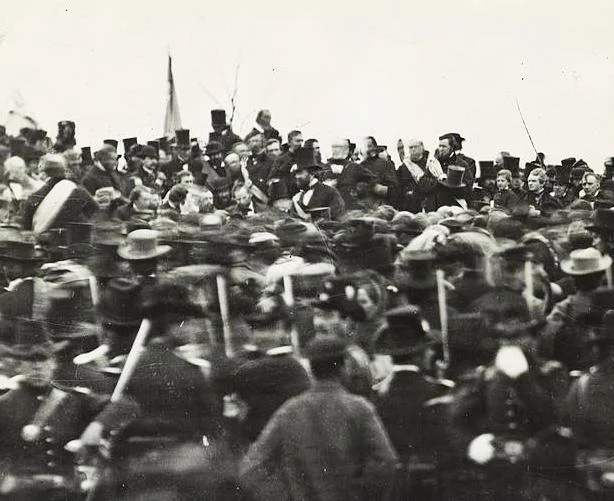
(325, 196)
(444, 196)
(271, 133)
(174, 396)
(544, 202)
(227, 138)
(261, 169)
(354, 183)
(79, 207)
(384, 173)
(505, 199)
(97, 178)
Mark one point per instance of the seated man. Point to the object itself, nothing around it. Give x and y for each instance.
(139, 206)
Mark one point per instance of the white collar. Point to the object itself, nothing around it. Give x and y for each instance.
(405, 368)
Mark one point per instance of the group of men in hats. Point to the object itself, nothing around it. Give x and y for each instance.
(300, 328)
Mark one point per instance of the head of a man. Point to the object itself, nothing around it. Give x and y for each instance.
(241, 149)
(264, 119)
(504, 179)
(416, 150)
(205, 205)
(590, 183)
(141, 198)
(186, 178)
(315, 146)
(295, 140)
(149, 156)
(499, 158)
(255, 143)
(15, 169)
(536, 180)
(106, 158)
(243, 197)
(303, 178)
(232, 162)
(273, 147)
(370, 146)
(446, 148)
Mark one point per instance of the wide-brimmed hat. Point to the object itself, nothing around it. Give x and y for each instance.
(454, 177)
(585, 262)
(120, 303)
(142, 244)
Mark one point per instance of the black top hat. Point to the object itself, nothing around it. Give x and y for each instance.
(120, 303)
(86, 156)
(512, 164)
(20, 250)
(31, 341)
(163, 143)
(214, 148)
(562, 174)
(111, 142)
(182, 137)
(154, 144)
(487, 169)
(129, 142)
(568, 161)
(305, 159)
(218, 117)
(454, 177)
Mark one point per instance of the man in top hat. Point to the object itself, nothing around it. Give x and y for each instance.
(222, 131)
(323, 444)
(405, 398)
(563, 337)
(39, 418)
(59, 202)
(181, 159)
(562, 190)
(263, 126)
(353, 181)
(537, 198)
(450, 191)
(66, 136)
(449, 153)
(212, 169)
(383, 170)
(143, 173)
(313, 193)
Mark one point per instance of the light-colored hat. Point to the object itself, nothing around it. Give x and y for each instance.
(142, 244)
(585, 262)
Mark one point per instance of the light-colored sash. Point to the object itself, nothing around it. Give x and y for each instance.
(51, 205)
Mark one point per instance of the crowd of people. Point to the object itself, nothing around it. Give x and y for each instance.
(242, 318)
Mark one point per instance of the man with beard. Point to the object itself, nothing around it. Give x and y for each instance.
(353, 181)
(383, 170)
(416, 178)
(313, 194)
(259, 166)
(449, 153)
(181, 158)
(273, 147)
(222, 132)
(263, 126)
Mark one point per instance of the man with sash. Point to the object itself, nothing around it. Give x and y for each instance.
(59, 202)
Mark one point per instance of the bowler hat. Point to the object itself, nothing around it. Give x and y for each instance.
(218, 118)
(585, 262)
(120, 303)
(213, 148)
(406, 332)
(142, 244)
(322, 349)
(182, 137)
(454, 177)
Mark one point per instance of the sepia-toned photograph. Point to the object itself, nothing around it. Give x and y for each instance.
(320, 251)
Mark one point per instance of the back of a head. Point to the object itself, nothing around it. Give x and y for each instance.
(54, 165)
(326, 356)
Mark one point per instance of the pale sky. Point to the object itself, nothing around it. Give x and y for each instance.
(330, 67)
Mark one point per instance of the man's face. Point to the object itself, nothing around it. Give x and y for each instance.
(143, 202)
(328, 323)
(558, 189)
(590, 185)
(502, 183)
(243, 198)
(534, 184)
(183, 152)
(445, 148)
(150, 163)
(274, 149)
(242, 150)
(296, 142)
(187, 181)
(499, 160)
(370, 147)
(516, 183)
(265, 118)
(416, 151)
(216, 159)
(109, 163)
(206, 202)
(303, 178)
(233, 164)
(256, 144)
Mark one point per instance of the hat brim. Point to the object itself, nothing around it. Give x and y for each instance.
(448, 185)
(567, 267)
(125, 253)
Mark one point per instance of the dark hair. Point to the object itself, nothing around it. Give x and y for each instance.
(178, 194)
(273, 140)
(372, 139)
(309, 143)
(293, 133)
(136, 193)
(329, 368)
(586, 283)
